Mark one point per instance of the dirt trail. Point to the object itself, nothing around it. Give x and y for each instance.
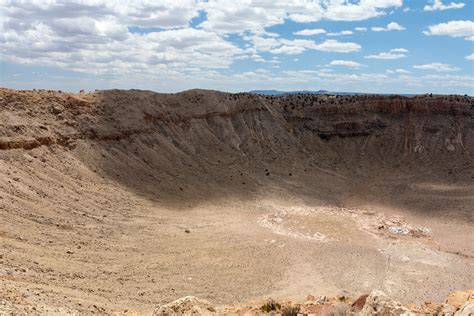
(120, 200)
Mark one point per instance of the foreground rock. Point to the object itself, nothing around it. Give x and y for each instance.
(185, 306)
(466, 310)
(459, 298)
(378, 303)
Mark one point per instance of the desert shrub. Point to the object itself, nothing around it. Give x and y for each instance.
(269, 306)
(291, 311)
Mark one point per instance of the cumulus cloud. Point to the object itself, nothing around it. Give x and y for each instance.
(392, 26)
(460, 28)
(236, 17)
(309, 32)
(470, 57)
(365, 9)
(337, 47)
(276, 45)
(149, 41)
(342, 33)
(395, 53)
(115, 36)
(297, 46)
(346, 63)
(437, 67)
(438, 5)
(399, 71)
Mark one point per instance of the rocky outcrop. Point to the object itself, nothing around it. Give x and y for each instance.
(379, 304)
(186, 306)
(459, 298)
(359, 303)
(466, 310)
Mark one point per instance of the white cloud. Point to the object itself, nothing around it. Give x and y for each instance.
(395, 53)
(438, 5)
(437, 67)
(392, 26)
(402, 71)
(276, 45)
(399, 71)
(297, 46)
(345, 11)
(337, 47)
(231, 17)
(288, 50)
(342, 33)
(470, 57)
(309, 32)
(459, 28)
(252, 15)
(346, 63)
(152, 45)
(116, 36)
(382, 3)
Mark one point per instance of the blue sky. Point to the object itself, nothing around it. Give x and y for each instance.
(381, 46)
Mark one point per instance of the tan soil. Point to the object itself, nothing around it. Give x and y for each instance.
(119, 200)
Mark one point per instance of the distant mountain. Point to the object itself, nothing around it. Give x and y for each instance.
(279, 93)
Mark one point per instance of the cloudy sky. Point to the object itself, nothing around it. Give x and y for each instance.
(389, 46)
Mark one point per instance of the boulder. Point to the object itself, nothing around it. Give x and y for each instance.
(466, 310)
(459, 298)
(359, 303)
(379, 304)
(186, 306)
(429, 308)
(445, 309)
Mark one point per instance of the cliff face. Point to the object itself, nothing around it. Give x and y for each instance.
(393, 128)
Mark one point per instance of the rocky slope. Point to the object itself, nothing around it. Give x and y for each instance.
(127, 199)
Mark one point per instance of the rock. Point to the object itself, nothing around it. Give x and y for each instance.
(186, 306)
(445, 309)
(459, 298)
(310, 298)
(55, 110)
(7, 308)
(321, 299)
(466, 310)
(379, 304)
(321, 309)
(359, 303)
(428, 307)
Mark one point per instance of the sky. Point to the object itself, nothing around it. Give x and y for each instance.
(375, 46)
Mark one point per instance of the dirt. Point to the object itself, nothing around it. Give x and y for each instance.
(123, 200)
